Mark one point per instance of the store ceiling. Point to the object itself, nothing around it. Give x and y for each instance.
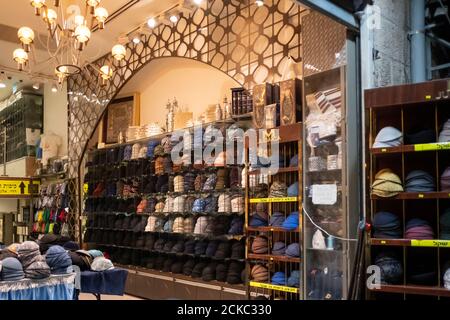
(125, 16)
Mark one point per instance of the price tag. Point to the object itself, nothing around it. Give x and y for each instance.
(383, 242)
(428, 97)
(383, 150)
(432, 146)
(421, 196)
(431, 243)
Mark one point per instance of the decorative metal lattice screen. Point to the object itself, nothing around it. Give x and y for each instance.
(251, 44)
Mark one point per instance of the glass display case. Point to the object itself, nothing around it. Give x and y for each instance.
(327, 221)
(23, 120)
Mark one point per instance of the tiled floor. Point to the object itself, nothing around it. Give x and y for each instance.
(85, 296)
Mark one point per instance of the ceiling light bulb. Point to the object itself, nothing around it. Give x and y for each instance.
(37, 4)
(50, 16)
(101, 14)
(61, 72)
(92, 4)
(36, 86)
(79, 20)
(198, 2)
(173, 18)
(119, 52)
(259, 3)
(54, 88)
(106, 74)
(2, 85)
(21, 57)
(26, 36)
(83, 34)
(151, 23)
(136, 39)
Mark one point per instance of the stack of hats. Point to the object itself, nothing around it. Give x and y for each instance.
(188, 225)
(178, 204)
(391, 268)
(445, 133)
(292, 221)
(222, 179)
(259, 219)
(200, 247)
(279, 248)
(223, 250)
(178, 225)
(11, 270)
(419, 181)
(292, 191)
(446, 279)
(387, 184)
(58, 260)
(278, 190)
(420, 136)
(211, 204)
(178, 247)
(293, 250)
(209, 272)
(237, 203)
(210, 183)
(221, 272)
(260, 245)
(189, 179)
(236, 226)
(198, 182)
(445, 180)
(279, 278)
(277, 219)
(388, 137)
(294, 161)
(387, 225)
(259, 273)
(168, 225)
(418, 229)
(201, 225)
(189, 246)
(102, 264)
(159, 166)
(188, 266)
(445, 225)
(160, 206)
(199, 205)
(179, 183)
(224, 203)
(294, 279)
(33, 263)
(234, 275)
(237, 250)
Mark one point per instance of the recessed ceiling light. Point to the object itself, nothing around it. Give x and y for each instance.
(36, 86)
(173, 18)
(54, 88)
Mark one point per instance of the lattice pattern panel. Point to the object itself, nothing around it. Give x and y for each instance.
(250, 44)
(324, 43)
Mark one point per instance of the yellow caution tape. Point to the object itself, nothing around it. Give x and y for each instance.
(270, 200)
(273, 287)
(431, 243)
(432, 146)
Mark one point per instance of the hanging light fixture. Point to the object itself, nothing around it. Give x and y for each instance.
(37, 5)
(21, 57)
(106, 74)
(68, 35)
(173, 18)
(151, 23)
(259, 3)
(119, 52)
(26, 36)
(101, 14)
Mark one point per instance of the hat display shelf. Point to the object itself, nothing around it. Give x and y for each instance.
(118, 222)
(408, 226)
(271, 271)
(330, 216)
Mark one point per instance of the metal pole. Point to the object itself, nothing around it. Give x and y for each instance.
(4, 152)
(418, 41)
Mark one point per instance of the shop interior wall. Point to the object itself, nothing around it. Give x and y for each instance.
(194, 84)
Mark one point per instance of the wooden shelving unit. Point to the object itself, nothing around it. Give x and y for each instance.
(410, 108)
(290, 144)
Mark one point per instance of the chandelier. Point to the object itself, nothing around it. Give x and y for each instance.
(68, 36)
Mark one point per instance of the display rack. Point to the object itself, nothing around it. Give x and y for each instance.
(290, 144)
(133, 250)
(23, 118)
(328, 250)
(407, 108)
